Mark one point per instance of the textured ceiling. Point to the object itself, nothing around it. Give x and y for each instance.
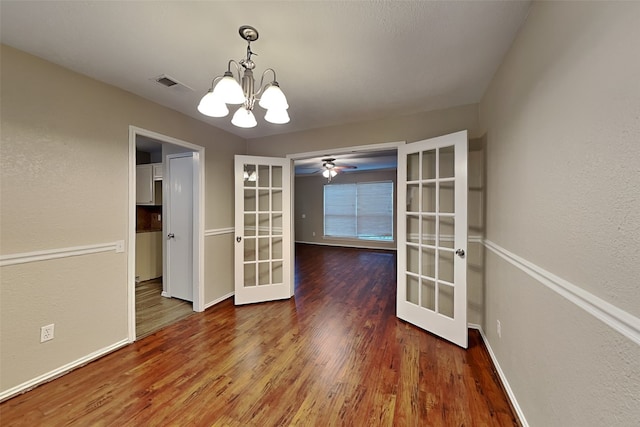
(337, 62)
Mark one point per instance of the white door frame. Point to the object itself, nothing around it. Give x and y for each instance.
(198, 256)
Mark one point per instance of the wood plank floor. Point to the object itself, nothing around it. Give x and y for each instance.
(335, 355)
(153, 311)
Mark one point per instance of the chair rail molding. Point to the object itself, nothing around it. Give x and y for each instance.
(618, 319)
(26, 257)
(218, 231)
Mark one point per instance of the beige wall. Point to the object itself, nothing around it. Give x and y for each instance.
(64, 169)
(562, 125)
(411, 128)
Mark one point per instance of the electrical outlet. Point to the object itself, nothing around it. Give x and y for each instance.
(314, 234)
(499, 328)
(46, 333)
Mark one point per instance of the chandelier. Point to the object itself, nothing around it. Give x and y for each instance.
(232, 90)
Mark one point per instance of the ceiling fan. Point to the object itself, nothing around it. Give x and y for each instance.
(330, 169)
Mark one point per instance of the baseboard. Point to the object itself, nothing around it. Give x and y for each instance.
(219, 300)
(28, 385)
(503, 378)
(346, 245)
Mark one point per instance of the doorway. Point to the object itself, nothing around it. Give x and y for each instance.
(366, 163)
(154, 150)
(431, 229)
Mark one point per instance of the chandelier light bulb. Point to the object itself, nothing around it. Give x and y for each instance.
(277, 116)
(273, 98)
(229, 90)
(212, 106)
(244, 118)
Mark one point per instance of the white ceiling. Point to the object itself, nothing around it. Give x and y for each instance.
(337, 61)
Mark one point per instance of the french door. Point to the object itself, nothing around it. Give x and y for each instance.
(263, 248)
(432, 236)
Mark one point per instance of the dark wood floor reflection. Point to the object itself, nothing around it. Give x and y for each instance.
(334, 355)
(153, 311)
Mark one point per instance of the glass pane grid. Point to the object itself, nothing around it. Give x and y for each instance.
(264, 216)
(432, 283)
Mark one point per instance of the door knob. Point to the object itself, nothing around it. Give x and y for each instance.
(238, 239)
(460, 253)
(171, 236)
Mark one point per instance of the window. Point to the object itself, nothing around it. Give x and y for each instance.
(360, 211)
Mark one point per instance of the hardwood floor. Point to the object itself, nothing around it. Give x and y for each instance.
(153, 311)
(333, 355)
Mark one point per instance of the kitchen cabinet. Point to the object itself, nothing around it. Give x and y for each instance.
(148, 187)
(157, 171)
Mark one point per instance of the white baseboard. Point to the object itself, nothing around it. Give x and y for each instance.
(46, 377)
(346, 245)
(219, 300)
(503, 378)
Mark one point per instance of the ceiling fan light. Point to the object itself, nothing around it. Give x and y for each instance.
(212, 106)
(273, 98)
(329, 173)
(277, 116)
(229, 90)
(244, 118)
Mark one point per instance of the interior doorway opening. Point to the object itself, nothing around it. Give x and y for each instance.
(152, 230)
(366, 163)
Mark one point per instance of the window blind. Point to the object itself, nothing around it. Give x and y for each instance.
(362, 211)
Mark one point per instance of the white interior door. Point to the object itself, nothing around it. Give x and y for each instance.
(432, 236)
(263, 248)
(180, 225)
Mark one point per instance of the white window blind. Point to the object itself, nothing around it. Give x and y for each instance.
(362, 211)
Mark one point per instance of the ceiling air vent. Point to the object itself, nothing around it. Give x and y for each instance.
(172, 83)
(166, 81)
